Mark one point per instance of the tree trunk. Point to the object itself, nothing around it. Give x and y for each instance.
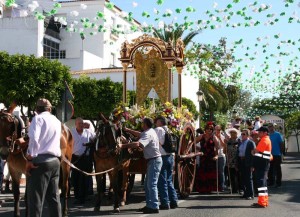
(297, 141)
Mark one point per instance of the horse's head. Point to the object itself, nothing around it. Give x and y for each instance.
(8, 132)
(108, 134)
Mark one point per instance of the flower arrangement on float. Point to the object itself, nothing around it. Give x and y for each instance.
(132, 117)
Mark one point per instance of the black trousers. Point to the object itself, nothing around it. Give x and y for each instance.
(43, 185)
(79, 180)
(233, 179)
(246, 181)
(275, 172)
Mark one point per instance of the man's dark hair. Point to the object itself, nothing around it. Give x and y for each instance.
(163, 120)
(148, 122)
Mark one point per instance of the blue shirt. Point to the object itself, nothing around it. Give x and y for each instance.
(276, 140)
(242, 148)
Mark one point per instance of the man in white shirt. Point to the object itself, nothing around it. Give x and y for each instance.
(81, 159)
(167, 192)
(257, 123)
(43, 164)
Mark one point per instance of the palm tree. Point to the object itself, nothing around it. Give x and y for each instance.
(215, 97)
(169, 34)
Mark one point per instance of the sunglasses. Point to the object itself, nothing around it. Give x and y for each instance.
(243, 134)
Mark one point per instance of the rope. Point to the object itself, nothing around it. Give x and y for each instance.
(86, 173)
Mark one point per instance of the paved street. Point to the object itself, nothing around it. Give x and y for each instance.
(284, 201)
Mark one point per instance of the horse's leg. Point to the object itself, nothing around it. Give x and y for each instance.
(114, 181)
(65, 187)
(16, 176)
(124, 185)
(99, 196)
(111, 187)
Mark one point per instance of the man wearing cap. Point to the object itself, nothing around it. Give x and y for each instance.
(261, 164)
(275, 164)
(43, 165)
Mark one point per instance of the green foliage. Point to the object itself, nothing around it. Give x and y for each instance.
(189, 104)
(214, 96)
(93, 96)
(25, 79)
(221, 119)
(292, 124)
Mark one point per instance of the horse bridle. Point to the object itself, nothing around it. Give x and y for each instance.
(11, 118)
(101, 131)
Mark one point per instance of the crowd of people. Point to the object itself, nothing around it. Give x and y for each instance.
(228, 161)
(241, 161)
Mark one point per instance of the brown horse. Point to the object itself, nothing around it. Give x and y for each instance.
(15, 155)
(108, 156)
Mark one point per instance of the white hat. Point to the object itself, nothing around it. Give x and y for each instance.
(227, 131)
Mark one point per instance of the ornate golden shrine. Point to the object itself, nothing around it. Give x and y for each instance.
(153, 59)
(151, 72)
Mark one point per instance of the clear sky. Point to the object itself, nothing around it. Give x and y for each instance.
(268, 44)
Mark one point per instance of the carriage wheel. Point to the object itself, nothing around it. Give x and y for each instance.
(186, 166)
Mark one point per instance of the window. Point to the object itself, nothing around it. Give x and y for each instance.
(112, 60)
(51, 50)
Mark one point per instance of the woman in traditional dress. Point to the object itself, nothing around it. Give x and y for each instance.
(206, 176)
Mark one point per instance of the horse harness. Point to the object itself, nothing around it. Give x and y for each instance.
(11, 143)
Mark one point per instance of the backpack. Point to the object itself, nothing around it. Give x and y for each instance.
(171, 141)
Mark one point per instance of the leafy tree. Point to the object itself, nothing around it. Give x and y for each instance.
(292, 125)
(211, 61)
(214, 97)
(189, 104)
(25, 79)
(93, 96)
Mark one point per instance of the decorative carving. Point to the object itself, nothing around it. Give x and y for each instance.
(151, 72)
(152, 58)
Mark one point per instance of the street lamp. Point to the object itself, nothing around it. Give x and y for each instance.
(200, 98)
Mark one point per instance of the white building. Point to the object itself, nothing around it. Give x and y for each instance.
(96, 56)
(24, 34)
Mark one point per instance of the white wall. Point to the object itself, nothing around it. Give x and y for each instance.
(292, 143)
(23, 35)
(100, 45)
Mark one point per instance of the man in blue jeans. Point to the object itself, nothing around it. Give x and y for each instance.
(168, 195)
(277, 149)
(148, 140)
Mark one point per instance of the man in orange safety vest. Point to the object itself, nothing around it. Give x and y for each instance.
(261, 165)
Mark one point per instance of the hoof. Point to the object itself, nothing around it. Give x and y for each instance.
(117, 210)
(97, 209)
(122, 203)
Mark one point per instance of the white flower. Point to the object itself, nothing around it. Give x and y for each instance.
(215, 5)
(75, 22)
(155, 11)
(83, 6)
(124, 14)
(74, 13)
(213, 18)
(55, 19)
(134, 4)
(161, 24)
(169, 11)
(263, 6)
(35, 3)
